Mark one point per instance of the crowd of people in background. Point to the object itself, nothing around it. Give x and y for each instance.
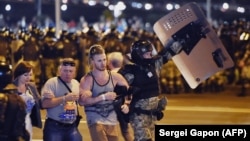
(76, 67)
(43, 49)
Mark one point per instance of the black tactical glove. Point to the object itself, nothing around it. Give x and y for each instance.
(159, 115)
(171, 49)
(162, 103)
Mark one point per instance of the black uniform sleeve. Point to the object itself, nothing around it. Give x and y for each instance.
(170, 50)
(127, 72)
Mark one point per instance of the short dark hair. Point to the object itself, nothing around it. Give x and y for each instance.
(21, 68)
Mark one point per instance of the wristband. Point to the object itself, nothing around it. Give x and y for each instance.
(103, 97)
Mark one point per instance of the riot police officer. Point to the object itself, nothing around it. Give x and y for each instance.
(144, 75)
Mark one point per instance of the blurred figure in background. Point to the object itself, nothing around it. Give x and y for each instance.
(245, 76)
(50, 55)
(115, 61)
(5, 49)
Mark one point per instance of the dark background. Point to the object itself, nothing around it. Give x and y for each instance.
(77, 8)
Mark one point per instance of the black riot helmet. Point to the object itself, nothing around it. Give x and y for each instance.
(139, 48)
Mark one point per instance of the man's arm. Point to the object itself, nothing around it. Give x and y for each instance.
(52, 101)
(120, 80)
(49, 99)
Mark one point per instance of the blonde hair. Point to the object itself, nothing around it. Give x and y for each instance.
(116, 59)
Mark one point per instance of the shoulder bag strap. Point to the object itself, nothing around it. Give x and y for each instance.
(69, 91)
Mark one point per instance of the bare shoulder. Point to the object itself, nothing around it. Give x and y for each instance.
(118, 78)
(116, 75)
(86, 81)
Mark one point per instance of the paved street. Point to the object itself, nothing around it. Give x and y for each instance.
(206, 108)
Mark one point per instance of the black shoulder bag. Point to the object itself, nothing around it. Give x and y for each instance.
(78, 116)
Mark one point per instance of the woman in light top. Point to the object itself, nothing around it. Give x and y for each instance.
(22, 75)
